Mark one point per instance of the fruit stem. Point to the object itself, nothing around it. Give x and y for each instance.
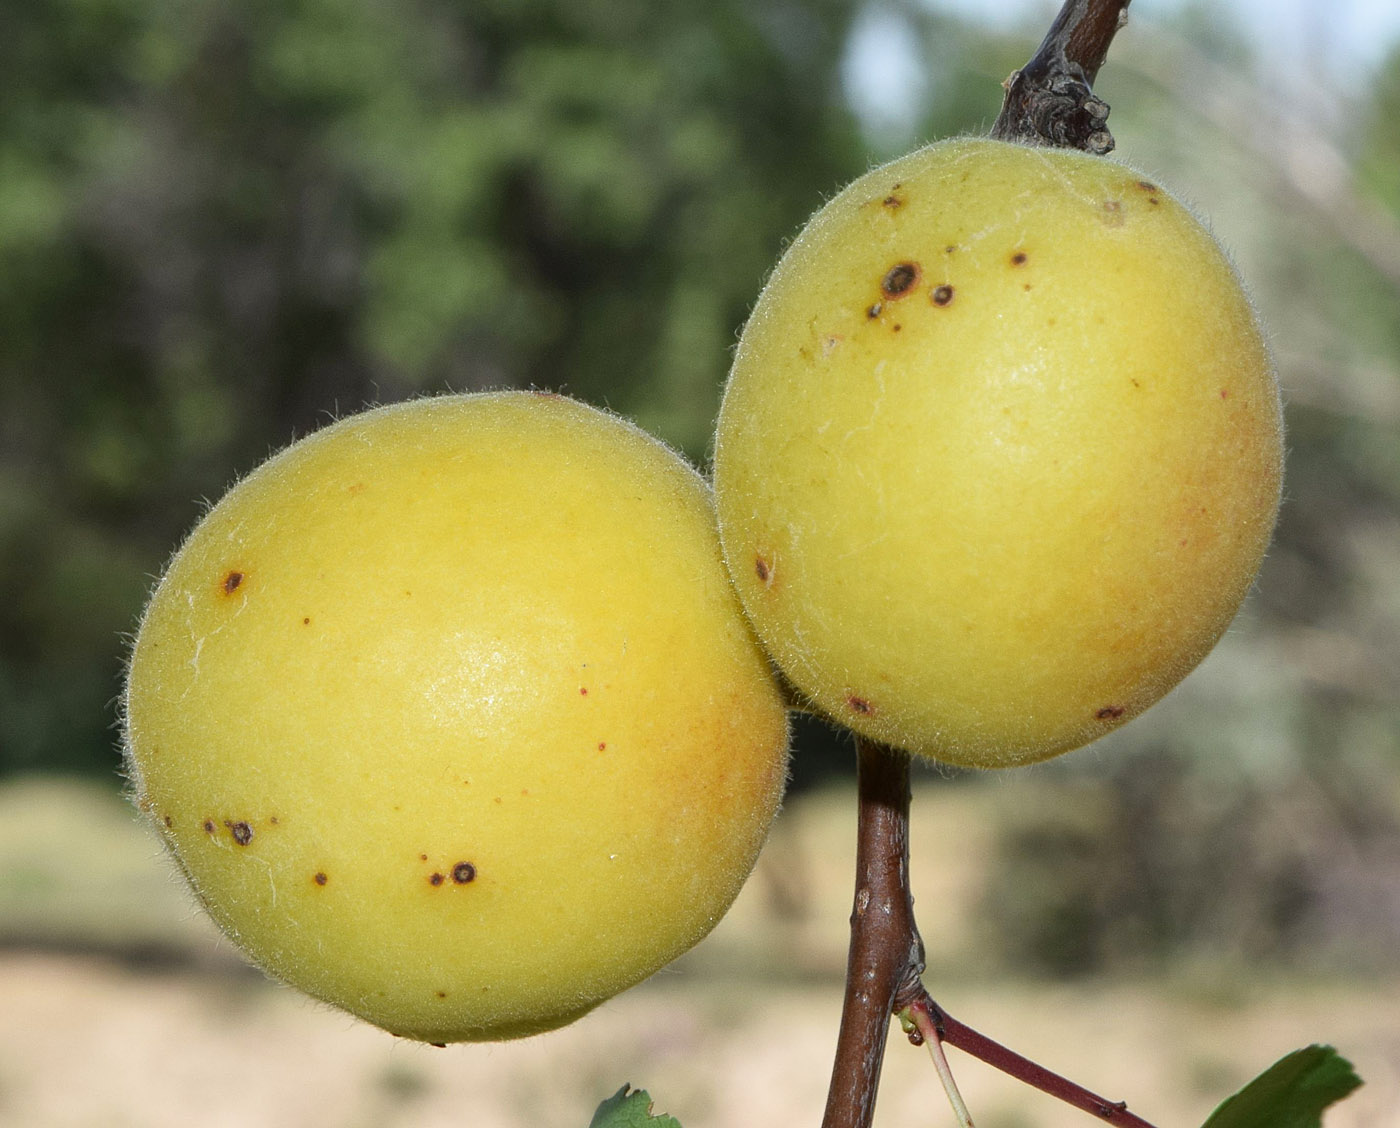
(886, 954)
(1049, 101)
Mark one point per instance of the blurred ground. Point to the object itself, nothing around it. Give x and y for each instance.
(119, 1006)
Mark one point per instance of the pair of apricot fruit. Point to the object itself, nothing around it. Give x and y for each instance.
(459, 714)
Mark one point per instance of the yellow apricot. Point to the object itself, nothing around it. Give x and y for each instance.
(1000, 453)
(451, 717)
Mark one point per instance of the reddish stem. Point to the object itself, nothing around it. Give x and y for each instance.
(954, 1033)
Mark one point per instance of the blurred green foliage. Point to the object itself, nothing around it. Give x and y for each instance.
(223, 222)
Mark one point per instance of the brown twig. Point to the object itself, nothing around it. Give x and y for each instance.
(954, 1033)
(886, 954)
(1050, 101)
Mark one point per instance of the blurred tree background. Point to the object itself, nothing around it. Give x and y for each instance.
(223, 222)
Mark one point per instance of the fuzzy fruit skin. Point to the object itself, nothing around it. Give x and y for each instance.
(451, 717)
(1000, 453)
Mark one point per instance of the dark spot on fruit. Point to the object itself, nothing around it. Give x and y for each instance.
(208, 826)
(274, 820)
(900, 279)
(1018, 259)
(874, 311)
(892, 201)
(942, 295)
(1135, 381)
(241, 831)
(1110, 712)
(169, 821)
(949, 249)
(320, 879)
(860, 705)
(306, 622)
(438, 1045)
(1224, 393)
(231, 582)
(763, 570)
(442, 994)
(436, 879)
(1113, 213)
(463, 873)
(583, 691)
(896, 327)
(422, 857)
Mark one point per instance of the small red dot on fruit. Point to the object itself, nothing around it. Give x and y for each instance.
(602, 746)
(1224, 393)
(860, 705)
(169, 821)
(583, 691)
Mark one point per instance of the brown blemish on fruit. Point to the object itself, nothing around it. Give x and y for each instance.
(463, 873)
(602, 746)
(274, 820)
(874, 311)
(900, 279)
(1018, 259)
(583, 691)
(830, 342)
(896, 327)
(942, 295)
(763, 570)
(320, 878)
(949, 249)
(422, 857)
(357, 488)
(241, 831)
(1224, 393)
(1113, 213)
(436, 879)
(306, 622)
(442, 994)
(1110, 712)
(860, 705)
(893, 202)
(231, 582)
(438, 1045)
(1151, 190)
(208, 826)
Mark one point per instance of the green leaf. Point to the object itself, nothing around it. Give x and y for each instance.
(628, 1108)
(1291, 1093)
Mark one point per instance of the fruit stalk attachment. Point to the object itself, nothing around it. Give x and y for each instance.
(1050, 101)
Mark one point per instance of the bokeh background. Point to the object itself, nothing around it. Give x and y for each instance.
(224, 222)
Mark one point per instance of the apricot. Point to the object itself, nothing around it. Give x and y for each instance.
(1000, 452)
(451, 717)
